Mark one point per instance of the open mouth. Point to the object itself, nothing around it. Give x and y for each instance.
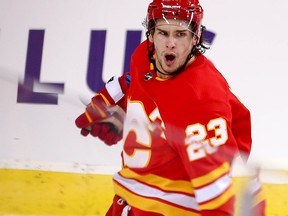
(170, 58)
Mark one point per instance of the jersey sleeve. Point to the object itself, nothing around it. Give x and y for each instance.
(115, 90)
(207, 153)
(241, 124)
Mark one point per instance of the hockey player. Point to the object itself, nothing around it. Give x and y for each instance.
(183, 125)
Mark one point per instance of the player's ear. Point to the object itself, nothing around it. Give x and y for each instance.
(195, 40)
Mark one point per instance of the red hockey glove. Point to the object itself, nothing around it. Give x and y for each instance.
(102, 120)
(105, 131)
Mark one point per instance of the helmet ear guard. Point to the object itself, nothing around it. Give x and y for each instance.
(203, 43)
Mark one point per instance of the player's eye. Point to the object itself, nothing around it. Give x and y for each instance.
(162, 33)
(181, 34)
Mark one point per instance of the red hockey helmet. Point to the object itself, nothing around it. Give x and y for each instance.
(188, 10)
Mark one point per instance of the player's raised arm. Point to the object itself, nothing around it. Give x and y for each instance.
(104, 115)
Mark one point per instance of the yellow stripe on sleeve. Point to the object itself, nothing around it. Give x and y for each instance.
(212, 176)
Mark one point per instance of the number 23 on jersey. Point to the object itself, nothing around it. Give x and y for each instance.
(198, 145)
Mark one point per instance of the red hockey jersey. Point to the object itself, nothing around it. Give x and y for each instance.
(180, 137)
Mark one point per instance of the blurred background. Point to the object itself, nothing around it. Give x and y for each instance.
(55, 54)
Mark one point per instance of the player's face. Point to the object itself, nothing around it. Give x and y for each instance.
(173, 43)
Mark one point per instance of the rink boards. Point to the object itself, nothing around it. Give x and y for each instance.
(43, 193)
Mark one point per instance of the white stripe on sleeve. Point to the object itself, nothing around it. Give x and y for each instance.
(114, 89)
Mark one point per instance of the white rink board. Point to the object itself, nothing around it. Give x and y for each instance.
(249, 49)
